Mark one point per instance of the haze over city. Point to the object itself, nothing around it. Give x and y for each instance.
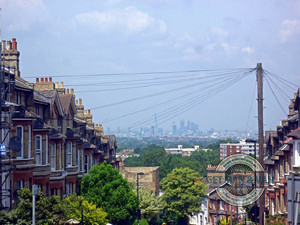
(123, 58)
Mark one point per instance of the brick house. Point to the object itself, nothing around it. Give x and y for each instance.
(51, 140)
(282, 159)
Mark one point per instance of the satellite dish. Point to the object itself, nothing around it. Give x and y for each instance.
(15, 143)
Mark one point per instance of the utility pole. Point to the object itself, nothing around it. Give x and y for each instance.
(260, 139)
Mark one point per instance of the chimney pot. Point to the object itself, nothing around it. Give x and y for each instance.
(14, 44)
(72, 90)
(56, 84)
(42, 80)
(85, 111)
(50, 79)
(68, 91)
(37, 80)
(8, 45)
(61, 84)
(3, 45)
(80, 101)
(46, 79)
(89, 111)
(76, 102)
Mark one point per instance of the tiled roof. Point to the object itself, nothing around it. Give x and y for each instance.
(295, 133)
(66, 101)
(269, 162)
(287, 141)
(41, 98)
(22, 84)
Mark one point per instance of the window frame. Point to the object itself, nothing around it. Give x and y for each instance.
(69, 153)
(21, 156)
(40, 152)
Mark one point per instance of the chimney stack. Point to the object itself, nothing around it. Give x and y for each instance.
(11, 55)
(44, 84)
(14, 44)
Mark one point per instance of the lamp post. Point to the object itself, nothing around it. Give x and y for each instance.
(297, 202)
(137, 191)
(255, 211)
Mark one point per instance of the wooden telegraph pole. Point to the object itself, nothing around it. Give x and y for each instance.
(260, 139)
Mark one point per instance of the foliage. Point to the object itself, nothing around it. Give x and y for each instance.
(76, 206)
(105, 187)
(46, 208)
(150, 204)
(182, 193)
(141, 222)
(225, 221)
(51, 210)
(154, 155)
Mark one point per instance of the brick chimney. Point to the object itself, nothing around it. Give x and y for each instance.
(11, 56)
(80, 109)
(88, 118)
(44, 84)
(61, 89)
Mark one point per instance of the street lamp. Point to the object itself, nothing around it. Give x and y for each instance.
(255, 204)
(137, 191)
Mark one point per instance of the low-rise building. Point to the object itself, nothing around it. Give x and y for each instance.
(227, 149)
(182, 151)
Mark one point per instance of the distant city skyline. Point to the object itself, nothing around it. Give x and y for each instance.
(148, 63)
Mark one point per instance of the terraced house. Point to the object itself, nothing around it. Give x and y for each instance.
(48, 138)
(282, 163)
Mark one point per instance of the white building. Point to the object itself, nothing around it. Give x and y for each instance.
(201, 217)
(182, 151)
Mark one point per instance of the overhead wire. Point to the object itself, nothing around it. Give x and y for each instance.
(151, 95)
(187, 105)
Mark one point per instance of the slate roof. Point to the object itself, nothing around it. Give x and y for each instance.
(295, 133)
(67, 100)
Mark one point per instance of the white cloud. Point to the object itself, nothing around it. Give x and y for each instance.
(248, 50)
(230, 49)
(21, 15)
(130, 19)
(289, 30)
(218, 33)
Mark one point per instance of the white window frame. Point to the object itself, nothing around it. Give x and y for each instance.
(20, 184)
(69, 153)
(70, 188)
(47, 151)
(60, 157)
(39, 151)
(29, 141)
(20, 154)
(53, 156)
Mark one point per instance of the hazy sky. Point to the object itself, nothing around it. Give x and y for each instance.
(122, 42)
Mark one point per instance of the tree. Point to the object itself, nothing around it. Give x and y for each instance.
(76, 207)
(150, 204)
(183, 190)
(105, 187)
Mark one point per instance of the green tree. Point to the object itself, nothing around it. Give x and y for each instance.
(48, 209)
(150, 204)
(105, 187)
(76, 206)
(183, 190)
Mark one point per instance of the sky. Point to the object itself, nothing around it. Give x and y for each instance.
(132, 61)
